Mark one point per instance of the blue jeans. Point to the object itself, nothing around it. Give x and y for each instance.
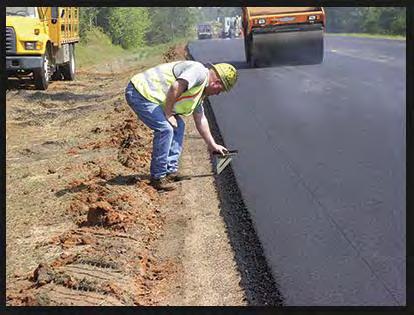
(167, 142)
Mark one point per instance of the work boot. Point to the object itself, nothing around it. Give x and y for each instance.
(161, 184)
(177, 177)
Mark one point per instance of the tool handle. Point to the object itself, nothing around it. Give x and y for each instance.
(229, 152)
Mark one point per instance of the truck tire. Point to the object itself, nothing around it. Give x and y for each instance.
(248, 48)
(252, 60)
(68, 69)
(42, 76)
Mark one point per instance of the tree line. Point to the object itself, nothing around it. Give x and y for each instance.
(133, 27)
(371, 20)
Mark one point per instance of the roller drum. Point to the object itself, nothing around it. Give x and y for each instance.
(285, 48)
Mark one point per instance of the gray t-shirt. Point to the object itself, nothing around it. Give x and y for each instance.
(194, 73)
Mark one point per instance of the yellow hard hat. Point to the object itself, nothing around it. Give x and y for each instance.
(227, 73)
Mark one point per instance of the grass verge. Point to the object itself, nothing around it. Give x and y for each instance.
(96, 48)
(365, 35)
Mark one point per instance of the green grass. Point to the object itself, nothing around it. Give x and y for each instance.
(96, 48)
(147, 51)
(394, 37)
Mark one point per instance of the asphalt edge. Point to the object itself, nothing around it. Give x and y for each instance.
(257, 279)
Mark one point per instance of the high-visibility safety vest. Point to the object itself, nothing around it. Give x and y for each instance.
(154, 84)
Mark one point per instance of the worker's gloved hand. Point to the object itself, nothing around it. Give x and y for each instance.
(219, 149)
(172, 120)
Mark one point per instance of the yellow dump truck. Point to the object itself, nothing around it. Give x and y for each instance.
(40, 41)
(283, 35)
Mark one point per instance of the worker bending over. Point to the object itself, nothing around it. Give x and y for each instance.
(160, 95)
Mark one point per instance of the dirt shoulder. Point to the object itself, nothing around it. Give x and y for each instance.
(83, 225)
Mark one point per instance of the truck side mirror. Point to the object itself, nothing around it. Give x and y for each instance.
(55, 15)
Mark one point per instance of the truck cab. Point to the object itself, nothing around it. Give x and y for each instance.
(40, 42)
(204, 31)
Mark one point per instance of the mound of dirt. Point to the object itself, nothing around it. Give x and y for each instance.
(175, 53)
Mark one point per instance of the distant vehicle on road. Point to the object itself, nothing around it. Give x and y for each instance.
(227, 27)
(231, 27)
(204, 31)
(237, 27)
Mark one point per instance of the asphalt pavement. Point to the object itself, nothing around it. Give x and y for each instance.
(321, 167)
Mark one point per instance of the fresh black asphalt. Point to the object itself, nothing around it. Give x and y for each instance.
(321, 167)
